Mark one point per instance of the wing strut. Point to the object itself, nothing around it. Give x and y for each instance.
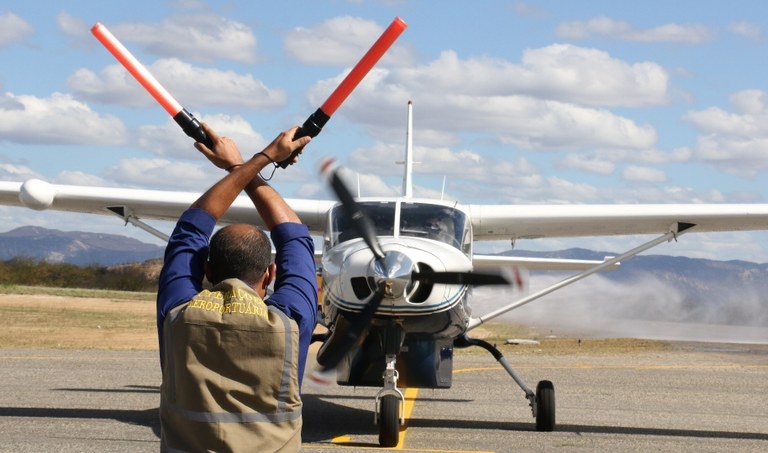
(675, 230)
(125, 213)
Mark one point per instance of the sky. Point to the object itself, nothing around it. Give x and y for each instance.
(514, 102)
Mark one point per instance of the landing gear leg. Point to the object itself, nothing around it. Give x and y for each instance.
(542, 402)
(390, 402)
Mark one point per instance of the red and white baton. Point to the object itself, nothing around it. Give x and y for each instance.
(183, 118)
(314, 124)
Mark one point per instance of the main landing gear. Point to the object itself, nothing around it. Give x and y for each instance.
(542, 402)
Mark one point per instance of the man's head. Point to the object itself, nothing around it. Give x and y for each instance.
(239, 251)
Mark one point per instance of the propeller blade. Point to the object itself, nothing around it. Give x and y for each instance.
(348, 333)
(469, 278)
(351, 209)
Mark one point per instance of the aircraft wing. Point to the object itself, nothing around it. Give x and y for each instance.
(142, 204)
(491, 222)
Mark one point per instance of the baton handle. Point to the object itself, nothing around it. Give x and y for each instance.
(311, 127)
(192, 127)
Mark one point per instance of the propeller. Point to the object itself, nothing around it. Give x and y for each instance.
(394, 273)
(351, 209)
(502, 277)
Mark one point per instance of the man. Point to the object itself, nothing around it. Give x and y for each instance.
(233, 364)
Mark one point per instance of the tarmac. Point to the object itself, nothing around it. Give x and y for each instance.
(696, 397)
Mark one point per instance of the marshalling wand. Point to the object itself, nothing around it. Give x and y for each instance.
(314, 124)
(189, 124)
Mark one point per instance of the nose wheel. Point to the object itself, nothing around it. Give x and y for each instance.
(390, 405)
(389, 421)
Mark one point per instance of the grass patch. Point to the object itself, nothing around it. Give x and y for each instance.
(78, 292)
(65, 319)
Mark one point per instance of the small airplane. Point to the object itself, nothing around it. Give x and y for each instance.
(398, 272)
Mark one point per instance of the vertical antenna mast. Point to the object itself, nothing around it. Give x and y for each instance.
(407, 176)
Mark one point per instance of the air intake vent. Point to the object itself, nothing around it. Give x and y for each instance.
(421, 291)
(360, 287)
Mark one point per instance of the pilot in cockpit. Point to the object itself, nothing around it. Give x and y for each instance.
(440, 227)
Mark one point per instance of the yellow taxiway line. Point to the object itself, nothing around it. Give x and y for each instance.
(410, 395)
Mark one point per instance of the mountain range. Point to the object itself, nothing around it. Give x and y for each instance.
(74, 247)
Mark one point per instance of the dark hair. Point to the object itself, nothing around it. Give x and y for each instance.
(239, 251)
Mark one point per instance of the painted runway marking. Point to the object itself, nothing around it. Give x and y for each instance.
(410, 396)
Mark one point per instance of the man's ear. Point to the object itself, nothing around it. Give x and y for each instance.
(271, 274)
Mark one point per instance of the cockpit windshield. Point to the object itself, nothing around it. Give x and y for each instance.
(423, 220)
(434, 222)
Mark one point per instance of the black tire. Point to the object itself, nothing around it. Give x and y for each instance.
(389, 421)
(545, 402)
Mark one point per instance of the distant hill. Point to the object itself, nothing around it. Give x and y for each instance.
(75, 247)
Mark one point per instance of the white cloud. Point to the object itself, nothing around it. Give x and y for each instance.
(13, 29)
(163, 173)
(185, 82)
(16, 172)
(640, 174)
(71, 25)
(529, 10)
(735, 142)
(552, 125)
(340, 41)
(645, 156)
(747, 29)
(58, 119)
(749, 101)
(169, 141)
(605, 26)
(382, 159)
(463, 95)
(80, 178)
(559, 72)
(201, 38)
(590, 164)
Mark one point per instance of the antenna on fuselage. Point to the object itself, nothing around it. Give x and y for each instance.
(407, 176)
(442, 190)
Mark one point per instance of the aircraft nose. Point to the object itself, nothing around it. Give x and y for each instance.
(394, 273)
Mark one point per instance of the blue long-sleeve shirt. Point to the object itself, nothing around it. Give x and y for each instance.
(295, 289)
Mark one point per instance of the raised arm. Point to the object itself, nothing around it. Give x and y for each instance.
(244, 175)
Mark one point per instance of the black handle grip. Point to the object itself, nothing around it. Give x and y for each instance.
(311, 127)
(192, 127)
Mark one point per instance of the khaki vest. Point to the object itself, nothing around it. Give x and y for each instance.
(230, 377)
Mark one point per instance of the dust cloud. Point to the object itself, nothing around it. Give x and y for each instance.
(646, 308)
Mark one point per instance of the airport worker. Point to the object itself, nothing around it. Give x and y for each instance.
(232, 361)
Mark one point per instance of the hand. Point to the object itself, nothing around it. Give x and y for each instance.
(284, 144)
(224, 154)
